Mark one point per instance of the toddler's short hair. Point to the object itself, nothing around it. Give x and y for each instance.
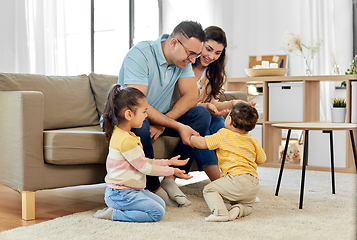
(244, 116)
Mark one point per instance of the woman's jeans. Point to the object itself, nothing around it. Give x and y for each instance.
(206, 157)
(198, 118)
(132, 205)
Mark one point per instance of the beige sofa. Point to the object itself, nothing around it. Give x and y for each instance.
(50, 135)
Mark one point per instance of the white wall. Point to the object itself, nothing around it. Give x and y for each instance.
(206, 12)
(256, 27)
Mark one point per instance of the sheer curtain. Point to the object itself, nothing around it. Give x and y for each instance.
(14, 50)
(331, 21)
(46, 36)
(33, 37)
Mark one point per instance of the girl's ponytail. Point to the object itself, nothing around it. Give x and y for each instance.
(109, 112)
(118, 99)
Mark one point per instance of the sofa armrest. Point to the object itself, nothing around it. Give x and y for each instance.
(21, 139)
(233, 95)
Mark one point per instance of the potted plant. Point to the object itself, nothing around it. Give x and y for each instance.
(338, 110)
(353, 67)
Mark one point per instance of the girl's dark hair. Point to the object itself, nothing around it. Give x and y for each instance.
(216, 72)
(119, 99)
(244, 116)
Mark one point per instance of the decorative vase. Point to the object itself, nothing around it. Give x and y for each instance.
(336, 70)
(309, 66)
(338, 114)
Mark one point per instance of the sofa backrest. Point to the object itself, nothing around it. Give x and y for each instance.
(101, 85)
(68, 100)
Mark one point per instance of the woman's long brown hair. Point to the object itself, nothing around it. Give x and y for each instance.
(216, 72)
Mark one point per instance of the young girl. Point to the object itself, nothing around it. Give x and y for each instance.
(127, 166)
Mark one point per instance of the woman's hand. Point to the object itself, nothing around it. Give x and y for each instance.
(176, 162)
(181, 174)
(252, 103)
(214, 111)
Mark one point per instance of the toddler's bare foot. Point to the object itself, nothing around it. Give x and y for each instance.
(233, 213)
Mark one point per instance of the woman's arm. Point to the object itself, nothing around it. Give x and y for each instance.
(219, 105)
(204, 92)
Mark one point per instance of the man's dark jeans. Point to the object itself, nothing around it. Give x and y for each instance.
(198, 118)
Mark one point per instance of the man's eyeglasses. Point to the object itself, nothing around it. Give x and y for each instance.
(189, 53)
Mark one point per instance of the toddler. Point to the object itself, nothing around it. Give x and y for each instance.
(238, 154)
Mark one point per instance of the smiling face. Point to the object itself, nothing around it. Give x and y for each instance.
(185, 50)
(211, 51)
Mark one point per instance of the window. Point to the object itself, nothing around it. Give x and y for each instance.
(145, 27)
(77, 37)
(112, 30)
(112, 36)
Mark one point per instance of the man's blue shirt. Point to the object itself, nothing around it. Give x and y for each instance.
(145, 64)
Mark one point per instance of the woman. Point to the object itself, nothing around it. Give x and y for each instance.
(210, 73)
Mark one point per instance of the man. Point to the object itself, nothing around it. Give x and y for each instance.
(154, 67)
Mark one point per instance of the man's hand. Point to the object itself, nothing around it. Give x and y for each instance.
(185, 133)
(176, 162)
(156, 131)
(214, 111)
(181, 174)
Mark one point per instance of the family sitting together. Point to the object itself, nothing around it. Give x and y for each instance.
(156, 95)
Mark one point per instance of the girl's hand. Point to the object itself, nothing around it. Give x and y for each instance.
(181, 174)
(176, 162)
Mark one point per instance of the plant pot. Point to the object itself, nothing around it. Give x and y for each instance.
(338, 114)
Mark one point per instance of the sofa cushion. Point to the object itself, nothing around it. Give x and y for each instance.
(101, 85)
(73, 146)
(165, 146)
(68, 100)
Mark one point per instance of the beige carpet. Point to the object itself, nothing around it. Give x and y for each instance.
(324, 216)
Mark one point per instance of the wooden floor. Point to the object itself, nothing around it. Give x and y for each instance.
(50, 204)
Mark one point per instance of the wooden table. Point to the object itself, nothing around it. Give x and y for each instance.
(307, 126)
